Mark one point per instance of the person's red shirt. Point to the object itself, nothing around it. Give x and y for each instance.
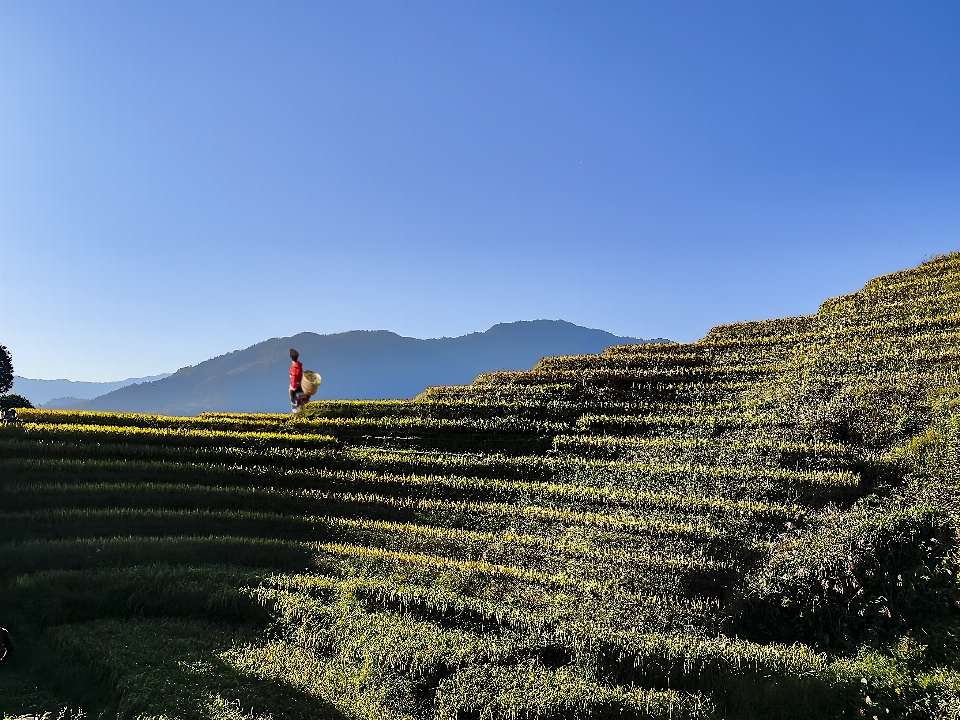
(296, 374)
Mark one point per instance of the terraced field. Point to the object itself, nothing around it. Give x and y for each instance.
(762, 524)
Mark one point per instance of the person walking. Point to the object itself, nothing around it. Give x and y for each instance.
(296, 378)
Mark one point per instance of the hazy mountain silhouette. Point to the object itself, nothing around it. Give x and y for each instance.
(359, 364)
(61, 393)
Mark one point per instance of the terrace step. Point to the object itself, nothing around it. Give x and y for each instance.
(709, 451)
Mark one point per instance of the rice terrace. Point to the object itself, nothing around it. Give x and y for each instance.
(760, 524)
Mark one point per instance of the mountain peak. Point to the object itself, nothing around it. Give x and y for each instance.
(357, 364)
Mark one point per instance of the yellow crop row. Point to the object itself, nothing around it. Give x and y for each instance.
(605, 376)
(569, 547)
(128, 433)
(613, 521)
(622, 361)
(578, 495)
(437, 562)
(833, 333)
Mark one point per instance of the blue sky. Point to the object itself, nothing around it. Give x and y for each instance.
(182, 179)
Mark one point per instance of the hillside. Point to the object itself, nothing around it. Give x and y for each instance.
(761, 524)
(358, 365)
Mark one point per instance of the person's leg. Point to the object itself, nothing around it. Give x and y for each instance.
(302, 399)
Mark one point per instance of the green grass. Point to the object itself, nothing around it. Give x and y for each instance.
(762, 524)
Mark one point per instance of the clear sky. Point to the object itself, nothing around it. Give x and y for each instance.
(183, 179)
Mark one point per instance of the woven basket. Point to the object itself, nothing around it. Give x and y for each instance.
(310, 383)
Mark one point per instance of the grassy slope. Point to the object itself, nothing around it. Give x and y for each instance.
(760, 524)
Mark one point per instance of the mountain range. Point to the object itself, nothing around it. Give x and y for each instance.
(359, 364)
(67, 393)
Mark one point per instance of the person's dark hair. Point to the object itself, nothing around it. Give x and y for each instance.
(294, 354)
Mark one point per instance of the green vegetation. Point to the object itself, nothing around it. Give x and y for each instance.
(8, 401)
(762, 524)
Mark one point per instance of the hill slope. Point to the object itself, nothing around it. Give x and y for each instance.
(762, 524)
(358, 364)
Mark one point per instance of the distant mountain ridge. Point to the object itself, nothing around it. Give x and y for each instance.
(360, 364)
(64, 392)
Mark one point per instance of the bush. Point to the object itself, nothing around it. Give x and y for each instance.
(873, 414)
(874, 569)
(932, 459)
(897, 681)
(14, 401)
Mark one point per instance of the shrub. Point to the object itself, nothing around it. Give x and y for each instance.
(9, 402)
(873, 414)
(871, 570)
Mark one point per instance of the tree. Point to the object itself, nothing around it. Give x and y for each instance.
(14, 401)
(6, 370)
(6, 382)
